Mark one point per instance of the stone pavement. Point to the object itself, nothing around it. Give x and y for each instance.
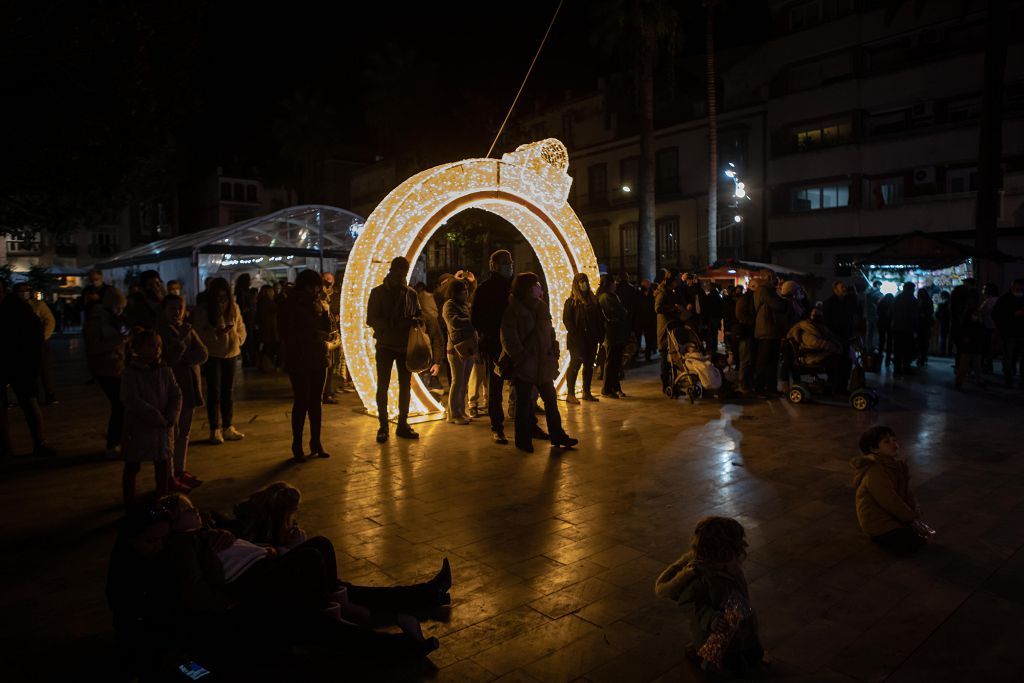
(555, 554)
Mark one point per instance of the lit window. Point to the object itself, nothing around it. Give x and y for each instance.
(831, 196)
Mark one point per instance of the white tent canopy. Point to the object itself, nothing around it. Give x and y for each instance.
(271, 247)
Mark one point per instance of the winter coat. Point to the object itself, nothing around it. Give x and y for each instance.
(228, 344)
(925, 315)
(392, 310)
(746, 315)
(884, 501)
(584, 323)
(152, 404)
(961, 299)
(904, 313)
(706, 587)
(973, 337)
(665, 304)
(770, 313)
(457, 322)
(646, 316)
(816, 342)
(712, 307)
(528, 338)
(839, 314)
(488, 310)
(305, 325)
(432, 324)
(628, 295)
(1008, 315)
(183, 353)
(45, 315)
(106, 349)
(884, 311)
(21, 340)
(266, 320)
(617, 325)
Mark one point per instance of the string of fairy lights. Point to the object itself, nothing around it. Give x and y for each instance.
(528, 187)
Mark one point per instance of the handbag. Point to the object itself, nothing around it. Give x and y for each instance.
(468, 347)
(418, 356)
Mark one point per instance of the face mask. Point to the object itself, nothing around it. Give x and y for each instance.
(506, 270)
(584, 286)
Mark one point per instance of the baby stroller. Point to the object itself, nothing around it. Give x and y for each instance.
(693, 372)
(811, 380)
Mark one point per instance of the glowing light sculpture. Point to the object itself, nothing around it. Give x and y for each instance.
(528, 187)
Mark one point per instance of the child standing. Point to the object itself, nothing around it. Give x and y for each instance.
(973, 338)
(709, 577)
(183, 353)
(152, 402)
(886, 509)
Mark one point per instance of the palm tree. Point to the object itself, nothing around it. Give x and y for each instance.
(712, 106)
(643, 31)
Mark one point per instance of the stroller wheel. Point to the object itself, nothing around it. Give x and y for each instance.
(860, 401)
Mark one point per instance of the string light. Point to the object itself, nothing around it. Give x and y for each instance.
(528, 187)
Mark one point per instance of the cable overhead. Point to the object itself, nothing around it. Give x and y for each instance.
(525, 78)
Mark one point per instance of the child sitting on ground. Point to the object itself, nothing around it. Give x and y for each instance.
(152, 403)
(886, 509)
(709, 577)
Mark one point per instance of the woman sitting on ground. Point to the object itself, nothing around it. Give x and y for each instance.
(268, 517)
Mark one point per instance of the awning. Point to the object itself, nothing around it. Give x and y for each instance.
(921, 250)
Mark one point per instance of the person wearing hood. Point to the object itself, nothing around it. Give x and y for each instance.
(21, 348)
(528, 340)
(489, 303)
(183, 352)
(886, 509)
(709, 580)
(392, 310)
(584, 323)
(152, 405)
(106, 348)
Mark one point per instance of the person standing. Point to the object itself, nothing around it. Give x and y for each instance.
(392, 310)
(942, 319)
(712, 307)
(746, 342)
(49, 324)
(672, 310)
(307, 328)
(904, 322)
(528, 340)
(462, 339)
(92, 293)
(616, 331)
(646, 322)
(871, 299)
(332, 298)
(221, 327)
(925, 322)
(584, 322)
(266, 324)
(183, 352)
(106, 349)
(885, 336)
(144, 307)
(964, 297)
(1008, 314)
(21, 348)
(989, 297)
(431, 318)
(489, 304)
(769, 329)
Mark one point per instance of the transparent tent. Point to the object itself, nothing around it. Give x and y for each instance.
(269, 248)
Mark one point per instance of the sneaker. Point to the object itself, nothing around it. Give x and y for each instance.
(459, 420)
(216, 436)
(232, 434)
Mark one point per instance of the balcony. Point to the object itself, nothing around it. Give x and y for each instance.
(26, 247)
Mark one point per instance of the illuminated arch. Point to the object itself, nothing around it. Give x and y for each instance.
(529, 188)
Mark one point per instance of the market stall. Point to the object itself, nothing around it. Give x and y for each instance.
(929, 262)
(269, 248)
(737, 272)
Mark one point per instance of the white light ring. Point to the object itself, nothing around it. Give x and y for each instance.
(432, 205)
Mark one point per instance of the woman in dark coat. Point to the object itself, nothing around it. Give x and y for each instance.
(585, 324)
(528, 339)
(305, 326)
(617, 326)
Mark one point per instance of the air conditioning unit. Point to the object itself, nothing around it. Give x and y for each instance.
(924, 175)
(922, 111)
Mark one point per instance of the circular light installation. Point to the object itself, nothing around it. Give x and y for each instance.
(528, 187)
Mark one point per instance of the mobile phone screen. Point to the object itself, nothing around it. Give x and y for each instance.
(193, 671)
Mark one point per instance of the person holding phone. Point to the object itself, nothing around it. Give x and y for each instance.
(222, 330)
